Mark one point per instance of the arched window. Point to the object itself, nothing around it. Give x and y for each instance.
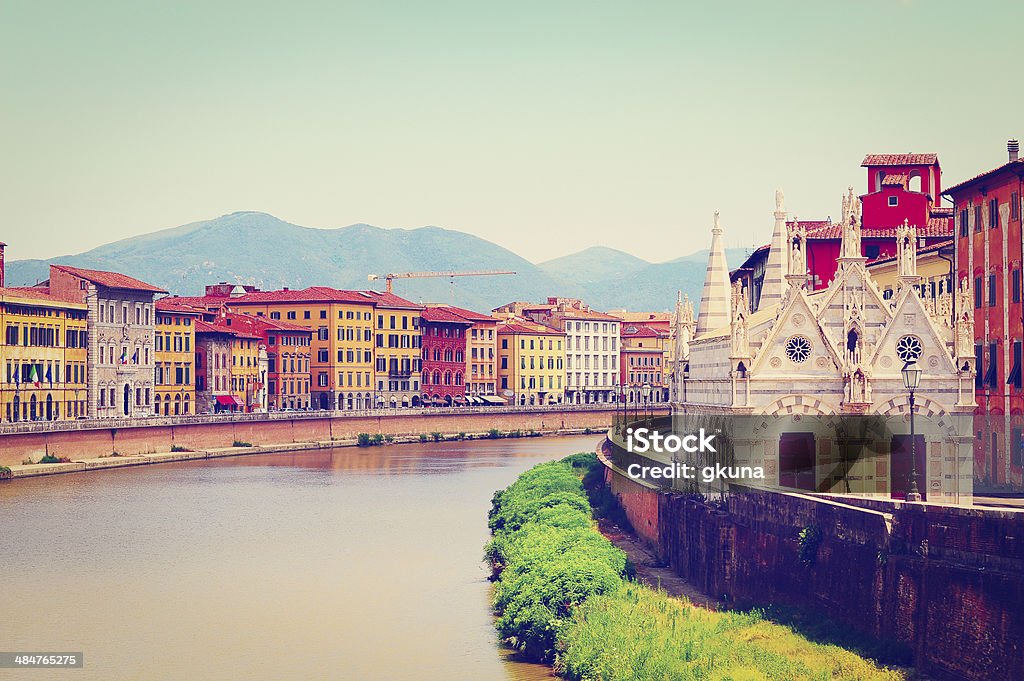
(458, 378)
(878, 179)
(915, 182)
(447, 378)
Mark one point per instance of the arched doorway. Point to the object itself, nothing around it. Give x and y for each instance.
(49, 407)
(17, 408)
(32, 406)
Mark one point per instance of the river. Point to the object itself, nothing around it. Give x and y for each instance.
(349, 564)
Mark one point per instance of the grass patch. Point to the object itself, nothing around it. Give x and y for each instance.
(563, 595)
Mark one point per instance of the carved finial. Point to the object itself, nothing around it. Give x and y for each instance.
(718, 224)
(780, 200)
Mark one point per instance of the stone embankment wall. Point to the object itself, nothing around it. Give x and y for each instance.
(145, 436)
(947, 582)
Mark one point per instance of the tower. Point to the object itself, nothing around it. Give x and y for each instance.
(714, 301)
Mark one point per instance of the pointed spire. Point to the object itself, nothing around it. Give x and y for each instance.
(776, 268)
(714, 302)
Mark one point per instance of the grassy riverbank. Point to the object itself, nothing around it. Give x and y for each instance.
(564, 595)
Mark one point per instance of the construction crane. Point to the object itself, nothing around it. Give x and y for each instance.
(388, 278)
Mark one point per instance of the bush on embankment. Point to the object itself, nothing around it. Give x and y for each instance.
(563, 596)
(549, 556)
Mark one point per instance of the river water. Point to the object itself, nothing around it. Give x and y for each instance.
(358, 564)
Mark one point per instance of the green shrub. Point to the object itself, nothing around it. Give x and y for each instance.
(549, 555)
(179, 448)
(363, 440)
(6, 473)
(389, 438)
(493, 434)
(461, 436)
(423, 437)
(240, 443)
(49, 458)
(376, 439)
(436, 436)
(809, 540)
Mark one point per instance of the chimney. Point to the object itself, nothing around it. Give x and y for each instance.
(1013, 148)
(3, 276)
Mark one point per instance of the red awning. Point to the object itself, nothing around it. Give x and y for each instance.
(227, 401)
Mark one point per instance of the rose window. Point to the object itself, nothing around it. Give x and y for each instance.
(798, 349)
(908, 348)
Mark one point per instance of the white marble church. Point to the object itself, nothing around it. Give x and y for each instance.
(838, 351)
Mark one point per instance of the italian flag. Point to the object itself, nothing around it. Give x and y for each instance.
(34, 376)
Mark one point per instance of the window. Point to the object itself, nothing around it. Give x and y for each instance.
(908, 348)
(894, 200)
(991, 290)
(963, 223)
(798, 349)
(991, 379)
(993, 213)
(1015, 286)
(1015, 206)
(977, 218)
(1014, 378)
(977, 292)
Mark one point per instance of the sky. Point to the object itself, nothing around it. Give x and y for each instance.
(546, 127)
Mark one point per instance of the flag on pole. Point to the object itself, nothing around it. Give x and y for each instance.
(124, 356)
(49, 375)
(17, 375)
(33, 376)
(135, 356)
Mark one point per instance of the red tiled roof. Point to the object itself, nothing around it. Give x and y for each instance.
(464, 313)
(908, 159)
(1015, 166)
(942, 211)
(40, 293)
(924, 249)
(522, 327)
(941, 226)
(440, 315)
(208, 327)
(172, 304)
(641, 332)
(894, 180)
(312, 294)
(109, 279)
(258, 325)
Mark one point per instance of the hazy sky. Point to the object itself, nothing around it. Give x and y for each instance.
(546, 127)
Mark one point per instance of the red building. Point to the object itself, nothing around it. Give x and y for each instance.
(988, 255)
(900, 187)
(444, 356)
(288, 357)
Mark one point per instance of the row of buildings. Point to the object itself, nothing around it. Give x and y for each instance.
(88, 343)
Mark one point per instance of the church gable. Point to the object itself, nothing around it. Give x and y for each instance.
(852, 302)
(795, 344)
(912, 335)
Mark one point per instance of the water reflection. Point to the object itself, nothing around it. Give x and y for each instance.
(331, 564)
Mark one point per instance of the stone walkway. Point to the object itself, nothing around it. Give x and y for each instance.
(652, 572)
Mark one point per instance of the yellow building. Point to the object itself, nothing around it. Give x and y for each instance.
(397, 344)
(44, 354)
(174, 350)
(342, 322)
(934, 266)
(531, 362)
(246, 385)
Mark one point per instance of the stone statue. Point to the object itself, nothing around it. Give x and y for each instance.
(780, 199)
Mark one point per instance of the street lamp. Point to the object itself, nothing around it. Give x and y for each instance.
(646, 392)
(911, 380)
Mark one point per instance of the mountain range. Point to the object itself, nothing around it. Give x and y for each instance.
(262, 250)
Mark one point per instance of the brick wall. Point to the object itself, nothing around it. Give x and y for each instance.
(141, 437)
(948, 582)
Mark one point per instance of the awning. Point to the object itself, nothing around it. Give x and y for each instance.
(227, 401)
(492, 399)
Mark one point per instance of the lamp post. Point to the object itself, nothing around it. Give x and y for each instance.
(646, 392)
(911, 380)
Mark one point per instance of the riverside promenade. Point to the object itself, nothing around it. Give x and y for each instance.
(106, 443)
